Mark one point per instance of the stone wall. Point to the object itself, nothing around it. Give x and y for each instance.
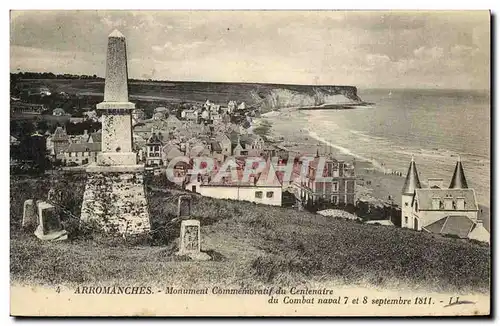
(117, 202)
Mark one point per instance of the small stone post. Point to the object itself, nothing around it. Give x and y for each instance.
(29, 215)
(49, 225)
(190, 241)
(184, 206)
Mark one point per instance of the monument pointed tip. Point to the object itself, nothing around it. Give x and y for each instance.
(412, 158)
(116, 33)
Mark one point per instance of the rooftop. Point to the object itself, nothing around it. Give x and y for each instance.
(424, 197)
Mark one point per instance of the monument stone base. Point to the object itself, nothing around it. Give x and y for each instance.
(115, 199)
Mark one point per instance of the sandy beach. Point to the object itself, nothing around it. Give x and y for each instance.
(382, 185)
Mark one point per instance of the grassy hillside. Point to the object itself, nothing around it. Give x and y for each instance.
(250, 244)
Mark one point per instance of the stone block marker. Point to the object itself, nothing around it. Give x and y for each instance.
(30, 219)
(49, 225)
(190, 241)
(184, 206)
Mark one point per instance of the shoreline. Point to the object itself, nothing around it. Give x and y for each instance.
(374, 184)
(373, 177)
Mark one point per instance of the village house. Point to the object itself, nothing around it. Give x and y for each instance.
(231, 107)
(77, 119)
(246, 144)
(225, 143)
(81, 153)
(263, 188)
(172, 121)
(308, 187)
(157, 116)
(205, 115)
(439, 209)
(216, 118)
(58, 112)
(161, 109)
(153, 150)
(91, 115)
(207, 105)
(83, 138)
(137, 115)
(58, 142)
(18, 107)
(214, 108)
(170, 151)
(95, 137)
(190, 115)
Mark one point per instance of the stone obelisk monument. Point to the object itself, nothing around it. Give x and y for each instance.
(114, 196)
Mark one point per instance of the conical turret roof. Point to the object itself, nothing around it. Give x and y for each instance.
(412, 182)
(458, 180)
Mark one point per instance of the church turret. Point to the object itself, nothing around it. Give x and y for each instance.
(458, 180)
(411, 183)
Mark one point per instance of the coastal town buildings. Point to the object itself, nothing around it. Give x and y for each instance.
(18, 107)
(449, 210)
(264, 188)
(153, 150)
(58, 142)
(137, 115)
(58, 112)
(338, 188)
(81, 153)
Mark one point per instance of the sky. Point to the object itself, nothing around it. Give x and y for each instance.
(376, 49)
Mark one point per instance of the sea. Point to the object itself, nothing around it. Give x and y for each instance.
(435, 126)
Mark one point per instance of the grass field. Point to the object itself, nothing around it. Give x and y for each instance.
(250, 245)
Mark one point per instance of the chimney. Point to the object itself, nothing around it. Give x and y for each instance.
(435, 183)
(448, 203)
(460, 203)
(436, 203)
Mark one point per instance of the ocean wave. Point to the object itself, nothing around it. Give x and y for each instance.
(346, 151)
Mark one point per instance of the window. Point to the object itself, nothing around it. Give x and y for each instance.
(334, 200)
(270, 194)
(335, 186)
(406, 204)
(406, 220)
(258, 194)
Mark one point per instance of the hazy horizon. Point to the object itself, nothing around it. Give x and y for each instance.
(265, 83)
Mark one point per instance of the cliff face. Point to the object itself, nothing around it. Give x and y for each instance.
(264, 96)
(285, 96)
